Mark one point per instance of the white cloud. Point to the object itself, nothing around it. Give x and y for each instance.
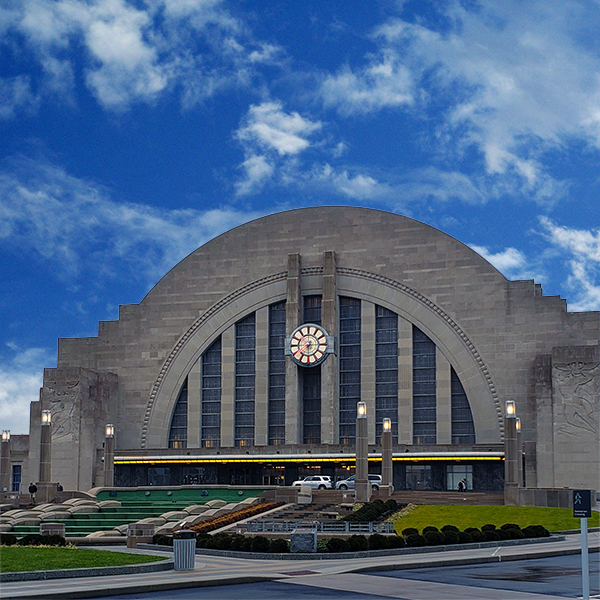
(135, 52)
(383, 83)
(271, 128)
(20, 382)
(257, 171)
(581, 251)
(510, 261)
(76, 224)
(272, 138)
(16, 95)
(518, 79)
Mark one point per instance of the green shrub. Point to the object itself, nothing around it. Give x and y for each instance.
(491, 535)
(238, 542)
(510, 526)
(201, 540)
(378, 542)
(464, 537)
(162, 540)
(260, 544)
(223, 542)
(415, 540)
(434, 538)
(535, 531)
(446, 528)
(488, 527)
(31, 539)
(7, 539)
(357, 543)
(503, 534)
(451, 537)
(337, 545)
(211, 543)
(396, 541)
(279, 545)
(321, 545)
(410, 531)
(515, 534)
(476, 534)
(429, 529)
(54, 540)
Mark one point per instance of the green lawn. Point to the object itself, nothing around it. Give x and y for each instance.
(553, 519)
(40, 558)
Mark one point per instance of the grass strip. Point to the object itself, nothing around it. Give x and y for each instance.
(42, 558)
(553, 519)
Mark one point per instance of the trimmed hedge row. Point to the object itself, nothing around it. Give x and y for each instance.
(431, 536)
(449, 534)
(32, 539)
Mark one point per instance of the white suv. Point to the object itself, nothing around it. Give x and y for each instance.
(349, 484)
(317, 482)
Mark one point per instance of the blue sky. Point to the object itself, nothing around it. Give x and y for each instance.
(131, 132)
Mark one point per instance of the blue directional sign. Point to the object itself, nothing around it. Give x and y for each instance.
(582, 504)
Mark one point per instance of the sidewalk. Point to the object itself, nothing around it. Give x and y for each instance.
(216, 570)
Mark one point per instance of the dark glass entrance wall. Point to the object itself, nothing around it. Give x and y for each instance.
(418, 475)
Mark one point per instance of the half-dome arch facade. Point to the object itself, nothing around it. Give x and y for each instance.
(413, 323)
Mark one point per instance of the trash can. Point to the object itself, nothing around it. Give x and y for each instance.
(184, 550)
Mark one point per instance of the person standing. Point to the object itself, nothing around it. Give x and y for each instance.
(32, 491)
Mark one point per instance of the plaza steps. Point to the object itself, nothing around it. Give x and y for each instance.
(80, 525)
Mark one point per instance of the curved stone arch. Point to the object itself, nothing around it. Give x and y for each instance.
(416, 308)
(448, 336)
(193, 343)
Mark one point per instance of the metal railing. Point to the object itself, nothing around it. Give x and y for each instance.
(334, 527)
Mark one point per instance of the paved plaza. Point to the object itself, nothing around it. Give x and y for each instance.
(506, 573)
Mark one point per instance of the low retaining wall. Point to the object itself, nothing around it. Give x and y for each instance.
(163, 565)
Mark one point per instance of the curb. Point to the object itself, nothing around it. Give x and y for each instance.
(163, 565)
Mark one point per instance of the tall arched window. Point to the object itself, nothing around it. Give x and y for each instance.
(386, 370)
(424, 389)
(463, 428)
(210, 431)
(178, 430)
(349, 367)
(245, 380)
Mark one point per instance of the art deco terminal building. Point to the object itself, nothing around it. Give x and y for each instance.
(245, 363)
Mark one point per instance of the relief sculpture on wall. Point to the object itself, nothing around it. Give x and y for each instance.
(63, 404)
(577, 387)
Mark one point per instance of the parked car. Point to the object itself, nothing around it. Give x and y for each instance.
(348, 484)
(317, 482)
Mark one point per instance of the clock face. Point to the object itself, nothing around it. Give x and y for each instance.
(308, 345)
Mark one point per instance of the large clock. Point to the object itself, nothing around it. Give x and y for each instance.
(309, 345)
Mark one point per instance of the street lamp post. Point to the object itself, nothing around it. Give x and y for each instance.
(109, 455)
(46, 448)
(362, 485)
(5, 461)
(511, 456)
(387, 485)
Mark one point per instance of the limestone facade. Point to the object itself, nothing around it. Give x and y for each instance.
(503, 339)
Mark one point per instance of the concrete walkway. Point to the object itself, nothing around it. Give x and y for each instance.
(213, 570)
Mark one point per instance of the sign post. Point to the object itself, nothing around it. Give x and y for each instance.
(582, 508)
